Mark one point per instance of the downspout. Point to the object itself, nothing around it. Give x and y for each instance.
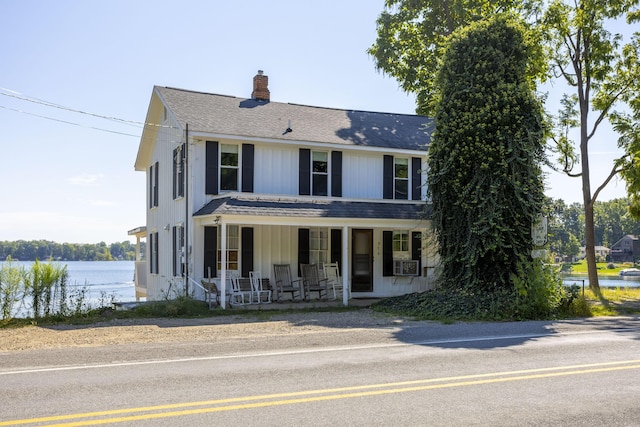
(186, 211)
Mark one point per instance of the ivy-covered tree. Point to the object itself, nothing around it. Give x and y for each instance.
(584, 48)
(485, 178)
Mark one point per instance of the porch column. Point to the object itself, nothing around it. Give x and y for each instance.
(223, 269)
(345, 266)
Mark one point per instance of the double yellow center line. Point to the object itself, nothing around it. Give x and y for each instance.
(291, 398)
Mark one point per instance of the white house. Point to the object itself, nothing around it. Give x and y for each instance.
(258, 183)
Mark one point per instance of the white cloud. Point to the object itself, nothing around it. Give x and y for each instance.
(85, 179)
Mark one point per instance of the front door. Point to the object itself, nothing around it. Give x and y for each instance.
(362, 260)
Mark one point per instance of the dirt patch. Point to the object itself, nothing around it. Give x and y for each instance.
(131, 331)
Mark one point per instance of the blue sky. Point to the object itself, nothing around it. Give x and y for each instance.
(68, 176)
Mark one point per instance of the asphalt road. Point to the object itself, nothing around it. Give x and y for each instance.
(569, 373)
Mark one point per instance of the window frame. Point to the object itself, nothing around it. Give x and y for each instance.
(404, 164)
(178, 251)
(222, 167)
(319, 245)
(179, 156)
(320, 179)
(233, 249)
(401, 244)
(153, 186)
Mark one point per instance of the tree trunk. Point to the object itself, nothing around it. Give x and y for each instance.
(589, 224)
(589, 234)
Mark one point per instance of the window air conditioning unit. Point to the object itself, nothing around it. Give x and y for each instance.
(403, 267)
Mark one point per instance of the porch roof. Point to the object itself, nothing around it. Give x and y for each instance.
(330, 208)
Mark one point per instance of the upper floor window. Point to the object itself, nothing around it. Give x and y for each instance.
(315, 169)
(229, 167)
(319, 173)
(178, 171)
(153, 185)
(401, 178)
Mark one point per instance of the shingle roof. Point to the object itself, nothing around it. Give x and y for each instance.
(227, 115)
(257, 206)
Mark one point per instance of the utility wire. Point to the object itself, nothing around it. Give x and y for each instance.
(69, 123)
(18, 95)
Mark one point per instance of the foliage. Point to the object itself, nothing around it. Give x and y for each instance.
(484, 176)
(43, 249)
(42, 292)
(413, 34)
(498, 305)
(603, 77)
(10, 288)
(178, 307)
(599, 70)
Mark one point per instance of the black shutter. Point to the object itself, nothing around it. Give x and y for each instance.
(155, 185)
(210, 251)
(336, 173)
(305, 172)
(247, 168)
(151, 180)
(416, 249)
(387, 177)
(336, 247)
(156, 256)
(175, 173)
(303, 247)
(387, 253)
(246, 260)
(416, 184)
(174, 251)
(211, 168)
(150, 256)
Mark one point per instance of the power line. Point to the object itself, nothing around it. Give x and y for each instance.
(68, 122)
(23, 97)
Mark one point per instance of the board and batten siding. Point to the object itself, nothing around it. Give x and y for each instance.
(362, 175)
(169, 212)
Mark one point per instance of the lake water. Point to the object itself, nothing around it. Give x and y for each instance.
(608, 282)
(104, 280)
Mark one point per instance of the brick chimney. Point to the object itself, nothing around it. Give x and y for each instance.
(260, 89)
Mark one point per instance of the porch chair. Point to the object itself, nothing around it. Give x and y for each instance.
(284, 282)
(257, 287)
(332, 273)
(313, 282)
(210, 289)
(238, 295)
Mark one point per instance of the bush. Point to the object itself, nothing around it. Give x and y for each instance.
(182, 306)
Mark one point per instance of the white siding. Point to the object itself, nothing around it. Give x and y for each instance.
(362, 175)
(276, 170)
(168, 213)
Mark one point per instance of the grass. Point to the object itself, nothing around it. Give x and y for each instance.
(603, 268)
(614, 301)
(610, 302)
(180, 308)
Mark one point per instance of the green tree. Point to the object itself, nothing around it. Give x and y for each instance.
(603, 77)
(485, 178)
(599, 69)
(412, 36)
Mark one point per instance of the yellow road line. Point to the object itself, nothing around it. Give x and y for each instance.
(327, 394)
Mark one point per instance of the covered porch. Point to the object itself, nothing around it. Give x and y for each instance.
(379, 247)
